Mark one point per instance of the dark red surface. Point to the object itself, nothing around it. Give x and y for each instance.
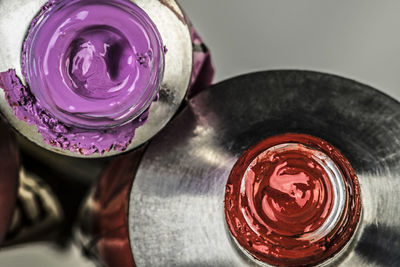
(109, 211)
(114, 248)
(286, 195)
(9, 177)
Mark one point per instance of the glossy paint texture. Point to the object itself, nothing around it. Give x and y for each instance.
(94, 63)
(92, 68)
(288, 191)
(286, 201)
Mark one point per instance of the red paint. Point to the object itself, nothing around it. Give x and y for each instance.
(287, 187)
(275, 195)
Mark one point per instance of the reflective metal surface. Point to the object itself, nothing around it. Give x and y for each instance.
(176, 210)
(15, 18)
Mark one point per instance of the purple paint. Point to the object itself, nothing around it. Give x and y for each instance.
(93, 69)
(68, 94)
(94, 63)
(56, 133)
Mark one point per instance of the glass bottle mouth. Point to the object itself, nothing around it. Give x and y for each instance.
(292, 200)
(94, 64)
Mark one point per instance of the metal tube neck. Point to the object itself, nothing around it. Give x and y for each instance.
(287, 200)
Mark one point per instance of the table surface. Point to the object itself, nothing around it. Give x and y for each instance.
(355, 39)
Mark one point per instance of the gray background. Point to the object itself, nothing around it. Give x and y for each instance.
(356, 39)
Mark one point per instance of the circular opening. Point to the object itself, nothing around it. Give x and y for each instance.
(292, 200)
(94, 64)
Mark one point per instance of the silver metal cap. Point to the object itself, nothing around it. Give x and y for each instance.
(15, 18)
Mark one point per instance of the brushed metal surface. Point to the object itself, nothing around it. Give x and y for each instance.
(176, 212)
(15, 18)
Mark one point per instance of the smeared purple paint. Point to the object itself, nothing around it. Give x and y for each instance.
(92, 68)
(84, 64)
(58, 134)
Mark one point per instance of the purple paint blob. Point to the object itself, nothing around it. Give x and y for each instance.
(93, 68)
(94, 63)
(56, 133)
